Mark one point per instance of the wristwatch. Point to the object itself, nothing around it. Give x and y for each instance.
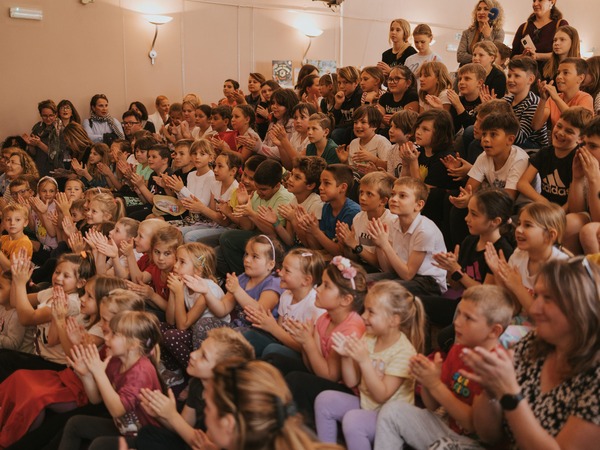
(456, 275)
(509, 402)
(357, 250)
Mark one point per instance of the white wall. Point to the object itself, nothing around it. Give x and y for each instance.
(79, 50)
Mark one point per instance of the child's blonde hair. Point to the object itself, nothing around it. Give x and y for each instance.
(203, 258)
(76, 180)
(169, 236)
(494, 303)
(203, 147)
(396, 299)
(45, 180)
(121, 299)
(440, 71)
(110, 205)
(232, 344)
(383, 181)
(376, 73)
(273, 253)
(419, 188)
(487, 46)
(549, 216)
(16, 207)
(404, 26)
(311, 263)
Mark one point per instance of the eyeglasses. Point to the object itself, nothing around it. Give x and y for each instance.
(395, 79)
(13, 163)
(17, 193)
(64, 107)
(48, 116)
(129, 124)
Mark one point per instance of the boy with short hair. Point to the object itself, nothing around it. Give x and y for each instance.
(336, 180)
(304, 184)
(319, 127)
(269, 193)
(471, 78)
(554, 163)
(374, 192)
(522, 72)
(368, 147)
(481, 317)
(220, 120)
(567, 92)
(501, 164)
(407, 247)
(15, 218)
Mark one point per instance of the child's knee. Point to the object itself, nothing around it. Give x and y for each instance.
(588, 236)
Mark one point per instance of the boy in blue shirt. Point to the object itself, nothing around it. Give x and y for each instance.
(336, 180)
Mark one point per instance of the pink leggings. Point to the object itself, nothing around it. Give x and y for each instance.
(358, 424)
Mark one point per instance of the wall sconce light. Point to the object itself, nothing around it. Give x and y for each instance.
(156, 21)
(310, 34)
(26, 13)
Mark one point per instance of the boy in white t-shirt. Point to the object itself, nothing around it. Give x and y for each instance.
(369, 148)
(501, 164)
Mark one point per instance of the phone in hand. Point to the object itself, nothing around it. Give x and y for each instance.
(528, 42)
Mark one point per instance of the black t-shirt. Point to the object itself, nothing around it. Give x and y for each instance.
(343, 116)
(496, 80)
(392, 59)
(154, 188)
(437, 174)
(468, 116)
(473, 262)
(556, 174)
(391, 106)
(196, 402)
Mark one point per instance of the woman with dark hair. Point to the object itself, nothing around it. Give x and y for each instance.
(43, 134)
(139, 108)
(539, 30)
(101, 126)
(548, 396)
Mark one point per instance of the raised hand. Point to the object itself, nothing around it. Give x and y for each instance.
(21, 267)
(232, 284)
(267, 214)
(77, 362)
(378, 231)
(242, 195)
(342, 153)
(462, 200)
(161, 405)
(301, 332)
(426, 372)
(92, 360)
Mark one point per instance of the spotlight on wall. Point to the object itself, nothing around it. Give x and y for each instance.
(156, 21)
(310, 34)
(26, 13)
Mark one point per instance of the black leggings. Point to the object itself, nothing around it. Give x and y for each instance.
(12, 360)
(101, 432)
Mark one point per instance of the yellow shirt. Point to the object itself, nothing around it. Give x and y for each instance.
(10, 246)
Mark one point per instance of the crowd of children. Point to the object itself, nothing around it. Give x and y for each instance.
(326, 231)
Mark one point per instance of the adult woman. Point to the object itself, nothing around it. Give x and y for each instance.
(42, 135)
(19, 164)
(249, 406)
(77, 141)
(140, 108)
(101, 127)
(401, 49)
(550, 398)
(481, 29)
(540, 27)
(161, 115)
(59, 153)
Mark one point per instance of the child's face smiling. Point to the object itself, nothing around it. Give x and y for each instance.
(291, 274)
(567, 78)
(564, 135)
(47, 192)
(517, 81)
(362, 128)
(530, 235)
(66, 275)
(95, 215)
